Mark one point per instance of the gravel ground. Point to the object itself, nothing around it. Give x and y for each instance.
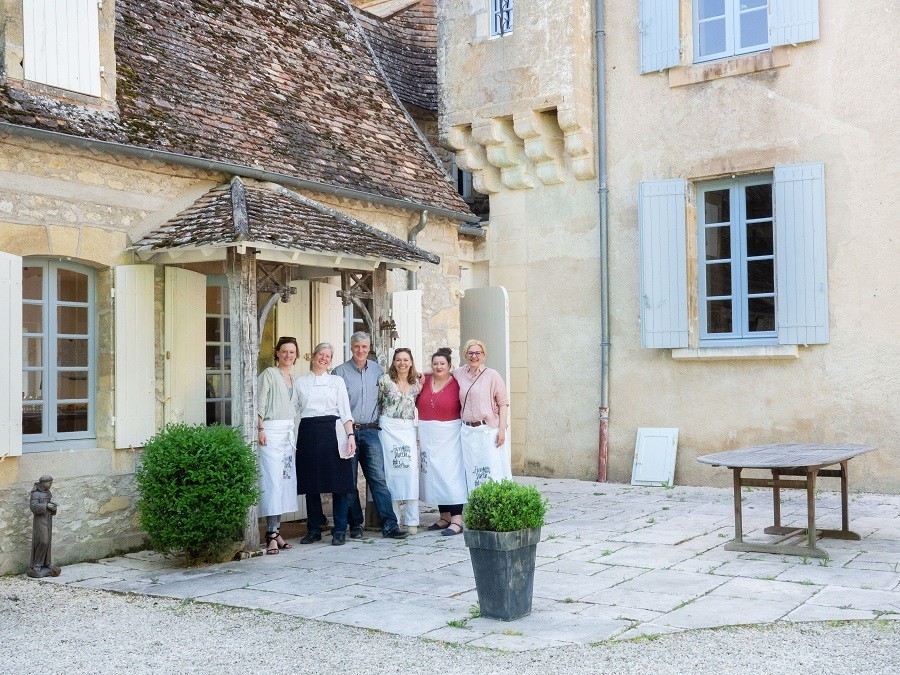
(51, 629)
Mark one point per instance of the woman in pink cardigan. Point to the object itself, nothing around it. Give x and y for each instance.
(485, 412)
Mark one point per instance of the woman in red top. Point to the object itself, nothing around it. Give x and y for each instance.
(443, 474)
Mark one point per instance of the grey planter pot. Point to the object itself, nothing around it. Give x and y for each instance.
(503, 563)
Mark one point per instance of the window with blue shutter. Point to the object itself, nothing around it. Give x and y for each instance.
(661, 221)
(793, 21)
(658, 40)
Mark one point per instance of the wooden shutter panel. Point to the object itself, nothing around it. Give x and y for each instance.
(293, 318)
(406, 310)
(800, 255)
(793, 21)
(185, 347)
(661, 215)
(135, 354)
(10, 355)
(329, 316)
(658, 39)
(62, 44)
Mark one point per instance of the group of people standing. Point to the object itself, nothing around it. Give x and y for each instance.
(432, 438)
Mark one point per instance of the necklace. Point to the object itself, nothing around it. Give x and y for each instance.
(436, 396)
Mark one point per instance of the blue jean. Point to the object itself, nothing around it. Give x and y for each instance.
(314, 515)
(371, 458)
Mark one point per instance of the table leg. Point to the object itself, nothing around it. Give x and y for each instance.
(738, 514)
(776, 499)
(811, 508)
(845, 501)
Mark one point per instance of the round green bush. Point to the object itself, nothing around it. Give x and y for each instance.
(506, 506)
(196, 484)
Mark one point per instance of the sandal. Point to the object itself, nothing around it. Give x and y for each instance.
(447, 532)
(280, 540)
(437, 526)
(272, 538)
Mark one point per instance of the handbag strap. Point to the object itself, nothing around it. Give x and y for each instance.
(469, 390)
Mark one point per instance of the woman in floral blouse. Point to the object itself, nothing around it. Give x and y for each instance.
(397, 392)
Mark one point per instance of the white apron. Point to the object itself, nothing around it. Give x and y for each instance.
(443, 476)
(483, 459)
(277, 474)
(401, 457)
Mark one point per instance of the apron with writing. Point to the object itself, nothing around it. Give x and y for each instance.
(401, 457)
(484, 461)
(443, 476)
(277, 474)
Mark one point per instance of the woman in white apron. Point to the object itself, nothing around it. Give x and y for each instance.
(397, 391)
(275, 422)
(442, 480)
(485, 411)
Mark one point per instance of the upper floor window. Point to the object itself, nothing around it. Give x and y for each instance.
(725, 28)
(501, 17)
(62, 44)
(59, 360)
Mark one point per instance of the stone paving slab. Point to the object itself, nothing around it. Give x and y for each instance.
(615, 562)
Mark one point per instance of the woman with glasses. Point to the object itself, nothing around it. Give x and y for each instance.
(397, 392)
(484, 410)
(275, 429)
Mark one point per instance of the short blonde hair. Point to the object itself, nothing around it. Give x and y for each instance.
(321, 347)
(475, 343)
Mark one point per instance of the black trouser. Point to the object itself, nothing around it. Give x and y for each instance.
(454, 509)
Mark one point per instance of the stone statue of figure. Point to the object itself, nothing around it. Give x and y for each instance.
(43, 507)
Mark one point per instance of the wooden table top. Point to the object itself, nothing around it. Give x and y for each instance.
(785, 456)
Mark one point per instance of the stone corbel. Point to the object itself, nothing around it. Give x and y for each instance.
(578, 143)
(543, 144)
(505, 150)
(470, 156)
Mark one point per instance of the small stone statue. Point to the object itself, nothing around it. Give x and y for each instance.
(43, 509)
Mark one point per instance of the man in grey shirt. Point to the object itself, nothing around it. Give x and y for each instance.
(361, 376)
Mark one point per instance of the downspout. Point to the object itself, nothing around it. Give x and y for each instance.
(603, 193)
(411, 238)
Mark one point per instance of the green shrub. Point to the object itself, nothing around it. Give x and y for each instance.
(506, 506)
(196, 484)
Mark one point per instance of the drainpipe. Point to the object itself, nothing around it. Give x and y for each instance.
(411, 238)
(600, 46)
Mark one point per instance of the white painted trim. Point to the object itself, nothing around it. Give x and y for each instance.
(757, 353)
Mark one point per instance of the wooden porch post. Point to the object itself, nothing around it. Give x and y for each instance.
(241, 272)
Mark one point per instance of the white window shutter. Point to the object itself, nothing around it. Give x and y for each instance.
(185, 347)
(661, 221)
(659, 41)
(11, 355)
(62, 44)
(135, 356)
(406, 310)
(793, 21)
(328, 314)
(800, 255)
(293, 319)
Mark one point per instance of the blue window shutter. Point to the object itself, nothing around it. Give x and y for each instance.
(800, 256)
(660, 46)
(664, 299)
(793, 21)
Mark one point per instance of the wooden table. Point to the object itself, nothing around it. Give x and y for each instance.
(789, 460)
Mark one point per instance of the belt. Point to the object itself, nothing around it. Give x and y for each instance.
(475, 424)
(367, 425)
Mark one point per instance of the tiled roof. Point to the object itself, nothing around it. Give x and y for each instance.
(277, 217)
(406, 46)
(288, 87)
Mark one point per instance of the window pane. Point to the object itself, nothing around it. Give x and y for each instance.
(213, 329)
(32, 319)
(31, 385)
(718, 242)
(31, 351)
(72, 384)
(226, 332)
(759, 201)
(226, 363)
(72, 417)
(712, 37)
(754, 28)
(72, 352)
(33, 419)
(214, 299)
(214, 386)
(32, 286)
(759, 239)
(750, 4)
(718, 279)
(761, 276)
(71, 286)
(710, 8)
(213, 359)
(717, 207)
(761, 314)
(72, 320)
(718, 316)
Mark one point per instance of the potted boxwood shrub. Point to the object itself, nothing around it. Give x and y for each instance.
(196, 484)
(503, 527)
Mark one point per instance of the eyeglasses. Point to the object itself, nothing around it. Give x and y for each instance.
(474, 353)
